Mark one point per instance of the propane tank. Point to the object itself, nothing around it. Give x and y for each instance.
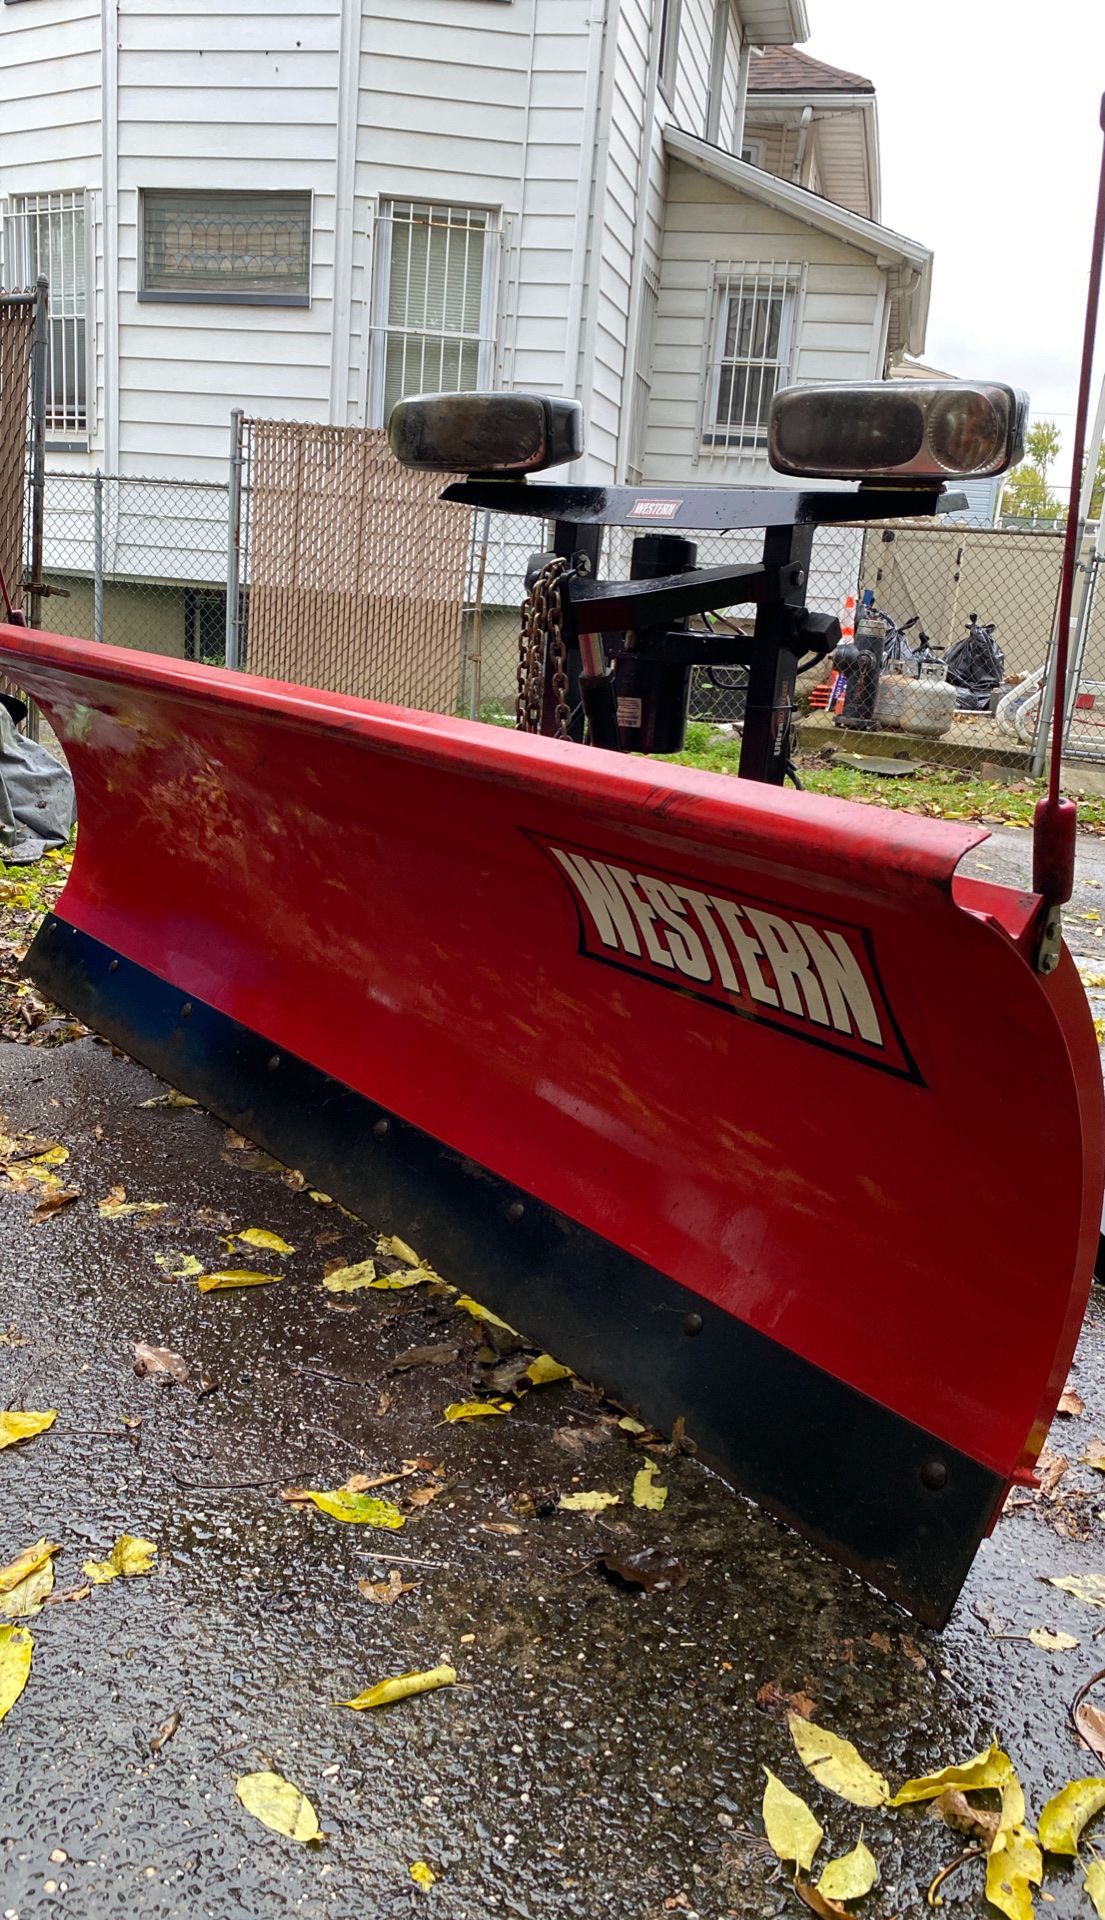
(928, 705)
(891, 696)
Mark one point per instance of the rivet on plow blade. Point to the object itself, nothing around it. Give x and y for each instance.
(647, 1006)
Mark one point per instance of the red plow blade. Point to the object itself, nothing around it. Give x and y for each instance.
(741, 1103)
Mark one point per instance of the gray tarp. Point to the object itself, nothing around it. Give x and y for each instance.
(37, 803)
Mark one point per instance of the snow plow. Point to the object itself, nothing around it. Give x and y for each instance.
(637, 1055)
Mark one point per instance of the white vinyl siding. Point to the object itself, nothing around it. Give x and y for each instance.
(437, 269)
(838, 296)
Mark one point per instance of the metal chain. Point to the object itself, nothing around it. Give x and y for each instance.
(541, 638)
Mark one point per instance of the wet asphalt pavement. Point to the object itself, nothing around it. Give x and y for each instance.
(603, 1752)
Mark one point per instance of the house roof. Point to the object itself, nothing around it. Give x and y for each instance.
(909, 263)
(767, 22)
(785, 70)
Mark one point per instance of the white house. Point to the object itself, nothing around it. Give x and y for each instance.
(305, 208)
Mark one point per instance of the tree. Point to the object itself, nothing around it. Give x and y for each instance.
(1027, 495)
(1097, 492)
(1042, 442)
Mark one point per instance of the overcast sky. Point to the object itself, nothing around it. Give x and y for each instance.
(988, 121)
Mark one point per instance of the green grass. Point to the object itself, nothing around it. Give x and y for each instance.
(943, 793)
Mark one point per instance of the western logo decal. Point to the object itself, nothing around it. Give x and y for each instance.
(654, 509)
(813, 977)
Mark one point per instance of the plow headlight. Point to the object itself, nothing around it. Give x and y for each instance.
(897, 430)
(490, 433)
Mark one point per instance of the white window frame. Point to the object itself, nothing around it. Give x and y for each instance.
(752, 152)
(741, 280)
(383, 329)
(671, 23)
(75, 433)
(214, 295)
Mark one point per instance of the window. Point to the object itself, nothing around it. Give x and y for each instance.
(243, 248)
(436, 273)
(751, 352)
(671, 11)
(48, 234)
(753, 152)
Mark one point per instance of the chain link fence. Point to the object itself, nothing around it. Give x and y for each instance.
(323, 563)
(137, 563)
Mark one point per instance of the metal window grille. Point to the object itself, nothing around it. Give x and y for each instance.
(437, 272)
(750, 358)
(48, 234)
(226, 245)
(642, 376)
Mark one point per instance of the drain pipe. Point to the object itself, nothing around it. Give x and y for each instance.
(803, 136)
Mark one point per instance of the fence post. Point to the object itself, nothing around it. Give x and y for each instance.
(40, 349)
(98, 557)
(234, 543)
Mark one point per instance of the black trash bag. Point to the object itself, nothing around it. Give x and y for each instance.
(976, 664)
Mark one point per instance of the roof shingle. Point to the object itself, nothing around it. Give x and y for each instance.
(785, 70)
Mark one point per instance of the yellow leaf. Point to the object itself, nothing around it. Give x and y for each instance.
(1012, 1806)
(543, 1371)
(1066, 1813)
(392, 1247)
(26, 1599)
(837, 1765)
(1095, 1457)
(588, 1502)
(850, 1877)
(26, 1563)
(23, 1426)
(645, 1492)
(277, 1804)
(16, 1648)
(118, 1207)
(476, 1409)
(261, 1237)
(467, 1305)
(350, 1279)
(422, 1875)
(228, 1277)
(359, 1509)
(1051, 1642)
(170, 1099)
(179, 1266)
(395, 1282)
(401, 1688)
(792, 1831)
(990, 1769)
(1014, 1866)
(1094, 1886)
(52, 1157)
(1089, 1587)
(629, 1425)
(129, 1556)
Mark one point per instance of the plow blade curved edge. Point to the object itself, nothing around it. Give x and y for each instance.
(739, 1102)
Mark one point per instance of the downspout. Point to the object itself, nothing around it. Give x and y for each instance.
(345, 160)
(109, 135)
(512, 242)
(741, 106)
(803, 136)
(588, 167)
(644, 176)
